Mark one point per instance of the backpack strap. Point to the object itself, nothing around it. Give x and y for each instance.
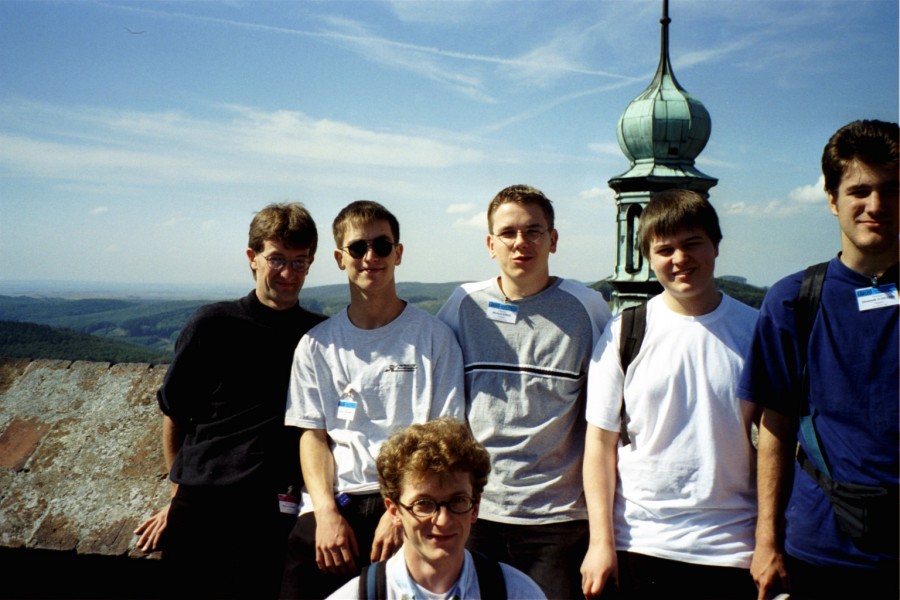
(634, 325)
(373, 581)
(805, 311)
(491, 582)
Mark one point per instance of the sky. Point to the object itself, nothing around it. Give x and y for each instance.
(138, 138)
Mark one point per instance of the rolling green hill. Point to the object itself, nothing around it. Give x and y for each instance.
(29, 340)
(154, 325)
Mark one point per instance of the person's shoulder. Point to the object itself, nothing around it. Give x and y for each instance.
(217, 311)
(428, 323)
(520, 586)
(736, 307)
(590, 298)
(473, 287)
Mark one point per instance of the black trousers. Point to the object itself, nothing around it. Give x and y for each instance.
(550, 554)
(812, 582)
(644, 577)
(224, 543)
(301, 577)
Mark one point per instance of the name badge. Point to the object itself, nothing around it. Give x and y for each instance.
(504, 313)
(871, 298)
(347, 405)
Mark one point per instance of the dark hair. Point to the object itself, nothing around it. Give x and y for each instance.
(871, 142)
(521, 195)
(671, 211)
(289, 224)
(363, 212)
(440, 447)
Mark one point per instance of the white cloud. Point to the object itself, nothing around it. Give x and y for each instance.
(810, 194)
(99, 210)
(606, 195)
(455, 209)
(478, 221)
(110, 148)
(606, 148)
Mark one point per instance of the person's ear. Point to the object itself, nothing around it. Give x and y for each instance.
(251, 255)
(393, 510)
(554, 238)
(339, 258)
(833, 203)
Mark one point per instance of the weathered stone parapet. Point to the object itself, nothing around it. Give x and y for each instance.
(81, 463)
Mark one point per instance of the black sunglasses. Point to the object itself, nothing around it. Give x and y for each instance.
(382, 246)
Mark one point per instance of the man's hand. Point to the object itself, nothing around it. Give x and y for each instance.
(768, 571)
(336, 547)
(599, 565)
(151, 530)
(388, 538)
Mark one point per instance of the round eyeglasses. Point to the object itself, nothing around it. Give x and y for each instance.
(529, 234)
(425, 508)
(382, 246)
(277, 263)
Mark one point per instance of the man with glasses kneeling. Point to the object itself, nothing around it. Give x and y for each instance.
(432, 476)
(379, 365)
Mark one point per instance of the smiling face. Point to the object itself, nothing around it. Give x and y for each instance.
(866, 206)
(684, 263)
(278, 288)
(369, 273)
(524, 265)
(436, 544)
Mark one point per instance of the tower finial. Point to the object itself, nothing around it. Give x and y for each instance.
(664, 38)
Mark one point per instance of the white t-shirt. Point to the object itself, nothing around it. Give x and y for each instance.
(400, 585)
(686, 485)
(361, 385)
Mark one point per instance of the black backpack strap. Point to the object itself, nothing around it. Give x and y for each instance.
(491, 582)
(634, 324)
(373, 581)
(805, 311)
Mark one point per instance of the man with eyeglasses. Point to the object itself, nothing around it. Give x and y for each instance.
(527, 339)
(228, 452)
(379, 365)
(432, 476)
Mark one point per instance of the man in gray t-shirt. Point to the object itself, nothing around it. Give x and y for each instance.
(527, 339)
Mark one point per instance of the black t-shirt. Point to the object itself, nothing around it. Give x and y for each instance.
(226, 389)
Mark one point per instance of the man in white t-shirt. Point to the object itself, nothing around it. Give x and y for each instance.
(379, 365)
(678, 502)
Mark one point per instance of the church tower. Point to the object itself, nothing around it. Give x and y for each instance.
(661, 132)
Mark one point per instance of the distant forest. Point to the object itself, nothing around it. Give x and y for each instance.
(134, 330)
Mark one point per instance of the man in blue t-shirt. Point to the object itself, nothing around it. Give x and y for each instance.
(802, 546)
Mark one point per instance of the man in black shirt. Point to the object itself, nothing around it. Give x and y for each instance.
(223, 397)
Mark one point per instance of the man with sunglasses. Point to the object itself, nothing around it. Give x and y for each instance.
(224, 440)
(527, 339)
(379, 365)
(432, 476)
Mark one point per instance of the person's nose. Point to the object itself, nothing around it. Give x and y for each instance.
(441, 515)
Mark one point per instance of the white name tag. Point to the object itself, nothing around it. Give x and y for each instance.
(871, 298)
(504, 313)
(347, 405)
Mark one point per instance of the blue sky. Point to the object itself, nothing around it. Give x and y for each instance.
(138, 138)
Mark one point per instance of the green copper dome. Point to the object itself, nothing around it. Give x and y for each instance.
(665, 128)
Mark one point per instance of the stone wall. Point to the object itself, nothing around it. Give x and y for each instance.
(81, 462)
